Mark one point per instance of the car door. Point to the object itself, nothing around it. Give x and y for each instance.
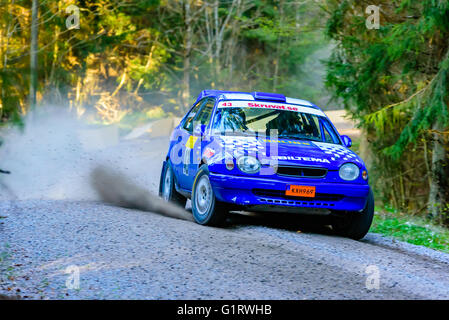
(183, 139)
(201, 119)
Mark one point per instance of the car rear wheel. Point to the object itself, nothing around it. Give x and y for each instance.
(207, 210)
(356, 224)
(167, 190)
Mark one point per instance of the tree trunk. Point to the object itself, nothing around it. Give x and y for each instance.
(33, 53)
(278, 47)
(187, 51)
(439, 177)
(55, 58)
(217, 42)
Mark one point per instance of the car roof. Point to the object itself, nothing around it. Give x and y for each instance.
(263, 96)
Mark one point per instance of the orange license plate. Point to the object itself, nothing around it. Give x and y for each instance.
(300, 191)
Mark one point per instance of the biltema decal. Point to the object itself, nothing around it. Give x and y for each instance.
(310, 159)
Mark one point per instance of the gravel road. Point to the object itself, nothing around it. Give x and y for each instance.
(129, 254)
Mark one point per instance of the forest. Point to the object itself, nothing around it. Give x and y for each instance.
(121, 61)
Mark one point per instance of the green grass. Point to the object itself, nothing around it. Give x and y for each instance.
(133, 119)
(413, 230)
(136, 118)
(355, 145)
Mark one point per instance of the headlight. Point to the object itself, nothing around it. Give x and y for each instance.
(349, 172)
(248, 164)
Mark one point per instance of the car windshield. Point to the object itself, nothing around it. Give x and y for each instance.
(260, 118)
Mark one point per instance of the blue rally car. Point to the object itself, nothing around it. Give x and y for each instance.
(265, 152)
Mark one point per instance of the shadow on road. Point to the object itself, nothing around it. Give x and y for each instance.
(285, 221)
(319, 224)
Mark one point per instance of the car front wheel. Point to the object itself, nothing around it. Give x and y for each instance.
(207, 210)
(355, 225)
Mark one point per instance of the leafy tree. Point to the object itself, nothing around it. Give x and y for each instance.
(394, 81)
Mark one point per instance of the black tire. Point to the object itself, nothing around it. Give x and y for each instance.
(215, 212)
(172, 195)
(356, 224)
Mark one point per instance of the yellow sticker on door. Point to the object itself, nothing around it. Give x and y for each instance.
(191, 142)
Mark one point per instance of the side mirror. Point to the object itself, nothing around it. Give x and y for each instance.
(347, 142)
(199, 130)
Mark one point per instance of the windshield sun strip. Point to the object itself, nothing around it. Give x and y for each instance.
(316, 112)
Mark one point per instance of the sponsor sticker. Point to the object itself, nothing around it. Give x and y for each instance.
(269, 105)
(191, 142)
(287, 142)
(297, 158)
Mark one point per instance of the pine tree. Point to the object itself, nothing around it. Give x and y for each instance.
(394, 81)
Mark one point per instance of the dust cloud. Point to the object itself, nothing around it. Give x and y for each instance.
(117, 189)
(51, 157)
(59, 156)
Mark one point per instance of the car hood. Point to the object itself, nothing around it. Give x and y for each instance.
(290, 152)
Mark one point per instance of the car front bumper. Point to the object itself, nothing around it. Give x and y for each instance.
(266, 192)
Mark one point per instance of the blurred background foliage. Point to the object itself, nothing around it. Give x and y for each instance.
(132, 55)
(394, 83)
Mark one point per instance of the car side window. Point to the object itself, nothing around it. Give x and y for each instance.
(329, 135)
(205, 112)
(188, 123)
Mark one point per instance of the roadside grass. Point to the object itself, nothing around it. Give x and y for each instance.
(6, 270)
(356, 145)
(133, 119)
(414, 230)
(136, 118)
